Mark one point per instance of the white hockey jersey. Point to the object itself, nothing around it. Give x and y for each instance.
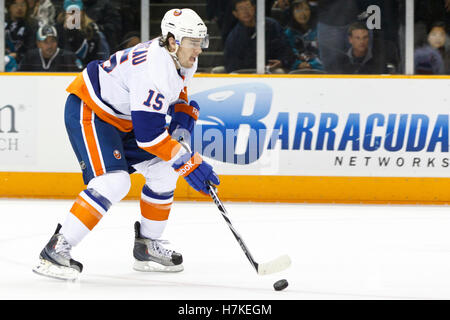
(133, 91)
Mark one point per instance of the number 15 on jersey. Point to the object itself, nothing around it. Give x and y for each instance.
(158, 104)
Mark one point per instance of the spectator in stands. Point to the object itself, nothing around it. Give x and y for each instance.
(385, 39)
(302, 36)
(18, 29)
(281, 11)
(80, 34)
(433, 57)
(360, 58)
(106, 15)
(334, 19)
(221, 12)
(130, 40)
(10, 64)
(240, 47)
(426, 13)
(47, 56)
(43, 11)
(438, 38)
(427, 60)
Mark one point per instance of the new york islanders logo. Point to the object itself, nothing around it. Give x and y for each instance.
(117, 154)
(176, 13)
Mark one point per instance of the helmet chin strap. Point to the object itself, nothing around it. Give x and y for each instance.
(174, 57)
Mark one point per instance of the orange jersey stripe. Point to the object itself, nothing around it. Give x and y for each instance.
(189, 110)
(154, 211)
(166, 149)
(183, 95)
(89, 136)
(78, 87)
(86, 213)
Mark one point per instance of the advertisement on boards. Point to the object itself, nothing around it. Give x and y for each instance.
(18, 126)
(276, 126)
(324, 127)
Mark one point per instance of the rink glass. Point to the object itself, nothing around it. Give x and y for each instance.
(302, 37)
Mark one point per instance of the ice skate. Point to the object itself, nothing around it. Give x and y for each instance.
(55, 260)
(151, 256)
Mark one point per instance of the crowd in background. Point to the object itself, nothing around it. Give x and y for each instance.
(64, 35)
(334, 36)
(302, 36)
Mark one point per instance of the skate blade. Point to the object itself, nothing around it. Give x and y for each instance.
(47, 269)
(151, 266)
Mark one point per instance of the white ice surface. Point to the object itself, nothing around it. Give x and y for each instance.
(337, 252)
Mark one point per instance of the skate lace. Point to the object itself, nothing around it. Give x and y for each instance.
(157, 246)
(63, 248)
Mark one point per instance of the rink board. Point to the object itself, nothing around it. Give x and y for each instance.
(287, 138)
(369, 190)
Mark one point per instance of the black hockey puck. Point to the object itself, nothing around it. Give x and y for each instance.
(280, 285)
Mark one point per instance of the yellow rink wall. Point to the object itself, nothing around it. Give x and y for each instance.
(365, 190)
(379, 186)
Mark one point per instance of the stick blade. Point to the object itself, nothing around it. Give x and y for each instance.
(279, 264)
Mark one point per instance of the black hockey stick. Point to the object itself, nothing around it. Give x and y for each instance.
(279, 264)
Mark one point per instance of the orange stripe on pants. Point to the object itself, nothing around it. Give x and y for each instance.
(155, 211)
(86, 213)
(89, 135)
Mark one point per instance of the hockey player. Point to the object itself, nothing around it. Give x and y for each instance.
(115, 117)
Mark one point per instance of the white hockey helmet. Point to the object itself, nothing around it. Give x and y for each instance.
(184, 23)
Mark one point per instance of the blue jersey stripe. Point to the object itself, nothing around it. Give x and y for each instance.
(148, 125)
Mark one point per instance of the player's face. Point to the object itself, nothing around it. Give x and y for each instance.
(48, 47)
(189, 50)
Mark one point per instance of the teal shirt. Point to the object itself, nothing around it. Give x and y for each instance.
(310, 50)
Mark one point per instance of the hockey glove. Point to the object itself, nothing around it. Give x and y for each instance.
(183, 117)
(197, 172)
